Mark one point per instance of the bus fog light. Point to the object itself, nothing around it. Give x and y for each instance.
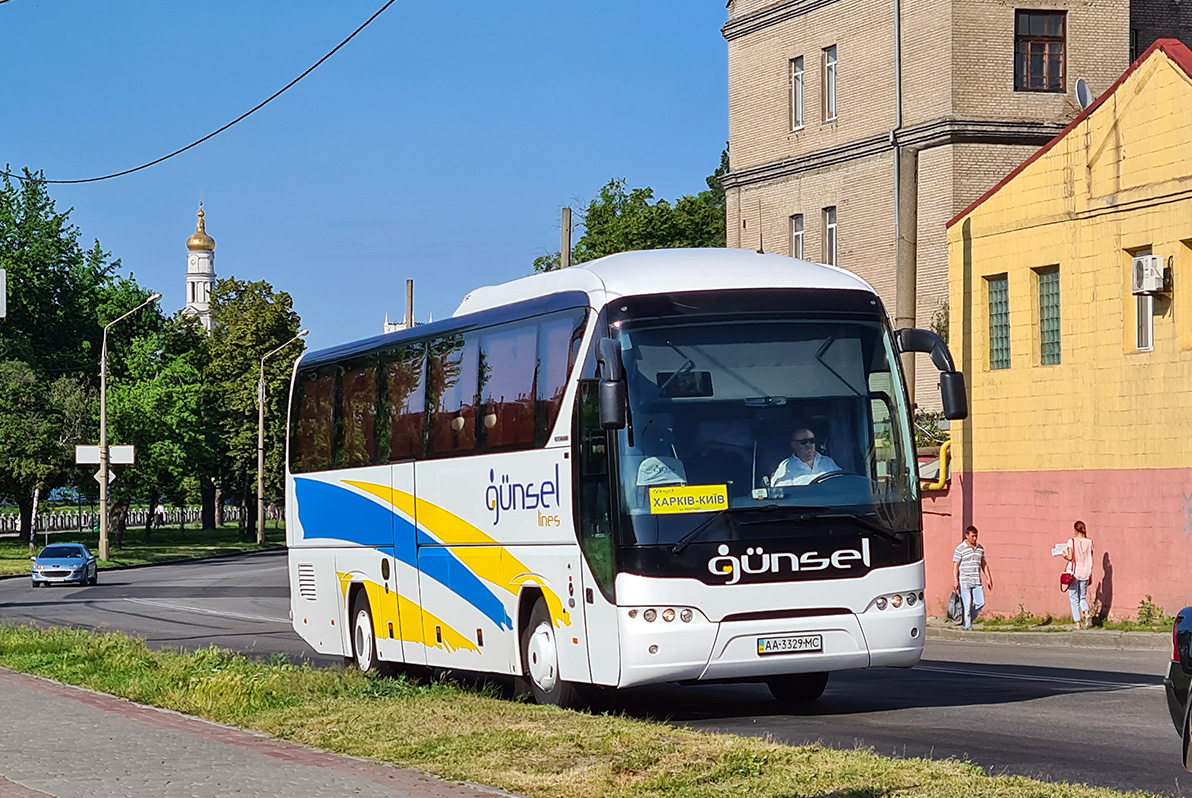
(896, 601)
(920, 595)
(915, 632)
(881, 603)
(911, 598)
(685, 616)
(653, 649)
(668, 615)
(649, 615)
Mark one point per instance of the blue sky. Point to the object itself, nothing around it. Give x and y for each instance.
(439, 145)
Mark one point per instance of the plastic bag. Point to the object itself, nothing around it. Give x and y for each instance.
(955, 608)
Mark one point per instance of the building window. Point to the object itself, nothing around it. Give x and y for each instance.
(1146, 322)
(830, 242)
(1133, 45)
(830, 69)
(1049, 316)
(797, 93)
(1039, 50)
(999, 322)
(797, 236)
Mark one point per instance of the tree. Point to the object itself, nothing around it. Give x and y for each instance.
(621, 219)
(249, 319)
(60, 296)
(40, 424)
(157, 406)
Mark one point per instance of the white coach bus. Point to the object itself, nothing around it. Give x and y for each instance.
(667, 466)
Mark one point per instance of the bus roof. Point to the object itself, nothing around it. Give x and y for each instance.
(596, 282)
(660, 271)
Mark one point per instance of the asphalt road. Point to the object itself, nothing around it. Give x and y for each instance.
(1092, 716)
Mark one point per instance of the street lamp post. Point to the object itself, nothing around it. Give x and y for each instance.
(103, 428)
(261, 438)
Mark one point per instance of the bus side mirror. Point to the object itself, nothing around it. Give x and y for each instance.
(613, 394)
(953, 395)
(951, 381)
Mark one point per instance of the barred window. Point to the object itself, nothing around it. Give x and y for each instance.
(1039, 50)
(999, 322)
(1049, 315)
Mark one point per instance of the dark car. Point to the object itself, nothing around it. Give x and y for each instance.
(1179, 679)
(64, 563)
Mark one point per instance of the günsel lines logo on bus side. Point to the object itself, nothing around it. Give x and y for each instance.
(504, 495)
(756, 560)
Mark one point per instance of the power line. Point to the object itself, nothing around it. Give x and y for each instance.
(215, 133)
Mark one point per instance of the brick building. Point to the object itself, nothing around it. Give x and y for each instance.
(828, 124)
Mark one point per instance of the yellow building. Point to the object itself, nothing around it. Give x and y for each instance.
(1071, 309)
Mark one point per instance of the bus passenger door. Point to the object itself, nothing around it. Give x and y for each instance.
(404, 584)
(594, 528)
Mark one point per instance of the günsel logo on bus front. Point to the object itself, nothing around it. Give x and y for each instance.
(758, 561)
(504, 495)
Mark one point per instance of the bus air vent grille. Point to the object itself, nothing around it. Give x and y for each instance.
(306, 581)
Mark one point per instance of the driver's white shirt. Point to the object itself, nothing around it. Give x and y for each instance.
(793, 471)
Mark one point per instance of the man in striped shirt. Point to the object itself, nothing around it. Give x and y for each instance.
(972, 569)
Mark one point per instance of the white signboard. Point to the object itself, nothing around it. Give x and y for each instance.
(117, 455)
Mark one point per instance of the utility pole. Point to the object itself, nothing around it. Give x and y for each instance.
(103, 429)
(409, 304)
(565, 251)
(261, 439)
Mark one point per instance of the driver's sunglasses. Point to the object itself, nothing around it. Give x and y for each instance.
(803, 441)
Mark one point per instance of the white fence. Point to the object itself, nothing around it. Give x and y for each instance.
(71, 521)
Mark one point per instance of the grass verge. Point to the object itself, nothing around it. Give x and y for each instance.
(467, 735)
(164, 545)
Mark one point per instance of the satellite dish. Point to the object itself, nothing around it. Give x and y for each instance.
(1084, 95)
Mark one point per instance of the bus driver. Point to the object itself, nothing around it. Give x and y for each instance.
(805, 464)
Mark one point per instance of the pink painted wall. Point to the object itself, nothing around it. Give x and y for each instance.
(1140, 523)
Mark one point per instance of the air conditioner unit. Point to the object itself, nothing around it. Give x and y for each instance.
(1148, 275)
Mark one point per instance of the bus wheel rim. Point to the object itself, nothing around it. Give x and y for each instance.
(363, 642)
(544, 658)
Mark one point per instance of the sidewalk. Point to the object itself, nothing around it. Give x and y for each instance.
(939, 629)
(65, 741)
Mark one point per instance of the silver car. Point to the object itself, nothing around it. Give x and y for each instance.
(64, 563)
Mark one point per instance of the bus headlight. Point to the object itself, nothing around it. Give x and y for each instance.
(911, 598)
(649, 615)
(685, 616)
(881, 603)
(896, 601)
(668, 615)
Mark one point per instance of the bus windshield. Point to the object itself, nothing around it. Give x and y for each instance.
(752, 421)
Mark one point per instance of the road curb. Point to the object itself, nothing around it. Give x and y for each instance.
(220, 556)
(1090, 638)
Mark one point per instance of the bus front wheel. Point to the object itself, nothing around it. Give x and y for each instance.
(798, 688)
(540, 660)
(364, 643)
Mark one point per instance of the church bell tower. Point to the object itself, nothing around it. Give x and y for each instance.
(200, 273)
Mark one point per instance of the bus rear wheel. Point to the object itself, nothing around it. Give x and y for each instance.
(798, 688)
(364, 643)
(540, 660)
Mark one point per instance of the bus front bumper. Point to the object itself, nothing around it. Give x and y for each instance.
(703, 650)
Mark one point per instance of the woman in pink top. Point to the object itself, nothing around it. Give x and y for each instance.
(1080, 564)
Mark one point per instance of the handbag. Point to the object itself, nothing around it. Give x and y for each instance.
(1068, 576)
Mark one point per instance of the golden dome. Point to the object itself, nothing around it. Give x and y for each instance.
(200, 240)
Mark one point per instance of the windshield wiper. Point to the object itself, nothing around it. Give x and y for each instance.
(690, 536)
(830, 513)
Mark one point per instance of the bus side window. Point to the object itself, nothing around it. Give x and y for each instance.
(559, 337)
(507, 357)
(593, 497)
(404, 397)
(451, 401)
(314, 428)
(358, 382)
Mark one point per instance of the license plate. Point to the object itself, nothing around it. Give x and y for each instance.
(799, 644)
